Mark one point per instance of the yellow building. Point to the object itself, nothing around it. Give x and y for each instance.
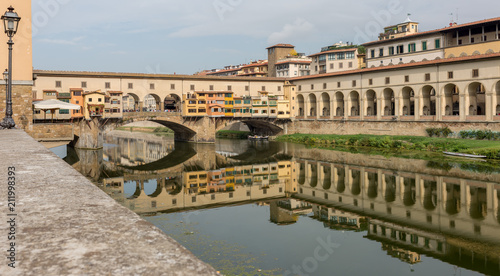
(194, 105)
(228, 104)
(93, 104)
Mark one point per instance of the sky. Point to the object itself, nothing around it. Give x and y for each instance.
(184, 37)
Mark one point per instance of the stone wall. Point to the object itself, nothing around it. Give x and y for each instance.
(52, 132)
(381, 128)
(22, 108)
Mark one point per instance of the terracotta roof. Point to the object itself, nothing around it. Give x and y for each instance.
(399, 66)
(115, 92)
(445, 29)
(223, 71)
(255, 64)
(281, 45)
(76, 89)
(94, 92)
(49, 90)
(294, 61)
(335, 51)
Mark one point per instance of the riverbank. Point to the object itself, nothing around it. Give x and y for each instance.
(490, 149)
(232, 134)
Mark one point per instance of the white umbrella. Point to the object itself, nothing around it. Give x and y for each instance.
(53, 105)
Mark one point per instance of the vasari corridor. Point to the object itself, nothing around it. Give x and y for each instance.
(230, 137)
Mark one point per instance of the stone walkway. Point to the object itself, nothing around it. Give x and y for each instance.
(65, 225)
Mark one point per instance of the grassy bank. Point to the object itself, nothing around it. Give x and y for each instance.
(153, 130)
(491, 149)
(232, 134)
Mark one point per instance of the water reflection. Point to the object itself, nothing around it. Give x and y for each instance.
(410, 208)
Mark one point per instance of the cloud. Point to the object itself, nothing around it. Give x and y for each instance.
(73, 41)
(299, 28)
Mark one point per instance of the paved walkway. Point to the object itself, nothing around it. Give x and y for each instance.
(65, 225)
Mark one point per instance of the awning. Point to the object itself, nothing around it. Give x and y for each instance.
(55, 104)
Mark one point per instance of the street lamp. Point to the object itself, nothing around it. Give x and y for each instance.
(10, 23)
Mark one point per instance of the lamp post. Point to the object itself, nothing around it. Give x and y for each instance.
(11, 22)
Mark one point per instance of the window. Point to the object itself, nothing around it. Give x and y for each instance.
(331, 65)
(354, 83)
(338, 84)
(381, 52)
(387, 80)
(107, 85)
(99, 99)
(411, 47)
(424, 45)
(191, 87)
(90, 99)
(450, 75)
(471, 40)
(130, 85)
(312, 86)
(391, 50)
(332, 56)
(211, 88)
(350, 64)
(349, 55)
(427, 77)
(300, 88)
(372, 53)
(229, 88)
(341, 65)
(400, 49)
(172, 86)
(324, 85)
(247, 88)
(152, 86)
(263, 88)
(437, 43)
(84, 84)
(341, 56)
(370, 82)
(407, 78)
(279, 88)
(58, 83)
(475, 73)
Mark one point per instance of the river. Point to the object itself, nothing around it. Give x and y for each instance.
(269, 208)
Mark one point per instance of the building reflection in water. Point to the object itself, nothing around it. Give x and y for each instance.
(411, 209)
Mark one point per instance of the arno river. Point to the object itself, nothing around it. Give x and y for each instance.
(268, 208)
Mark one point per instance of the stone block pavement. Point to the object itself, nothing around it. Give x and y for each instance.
(65, 225)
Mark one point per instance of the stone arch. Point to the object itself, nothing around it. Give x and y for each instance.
(339, 104)
(313, 175)
(312, 105)
(425, 59)
(452, 199)
(490, 51)
(130, 102)
(408, 101)
(181, 132)
(496, 206)
(355, 182)
(371, 103)
(409, 193)
(477, 203)
(372, 190)
(428, 101)
(476, 53)
(151, 102)
(325, 104)
(158, 190)
(388, 104)
(340, 180)
(354, 103)
(301, 105)
(172, 103)
(261, 127)
(430, 195)
(451, 102)
(496, 99)
(463, 54)
(173, 187)
(390, 188)
(302, 173)
(451, 56)
(327, 177)
(476, 99)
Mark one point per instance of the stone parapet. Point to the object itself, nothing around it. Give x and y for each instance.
(65, 225)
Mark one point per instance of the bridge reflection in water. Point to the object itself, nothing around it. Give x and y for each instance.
(410, 207)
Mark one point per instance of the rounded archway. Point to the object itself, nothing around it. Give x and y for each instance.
(130, 102)
(409, 194)
(325, 105)
(478, 203)
(301, 105)
(497, 99)
(356, 182)
(428, 101)
(312, 105)
(451, 102)
(339, 104)
(354, 103)
(390, 188)
(172, 103)
(476, 99)
(327, 177)
(371, 103)
(151, 103)
(430, 195)
(372, 190)
(302, 173)
(313, 175)
(340, 180)
(452, 201)
(408, 102)
(388, 105)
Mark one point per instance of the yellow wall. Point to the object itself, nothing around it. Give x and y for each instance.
(22, 63)
(482, 48)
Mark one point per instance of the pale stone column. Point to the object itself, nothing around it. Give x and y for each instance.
(379, 109)
(398, 106)
(347, 112)
(361, 108)
(490, 110)
(439, 108)
(418, 107)
(463, 100)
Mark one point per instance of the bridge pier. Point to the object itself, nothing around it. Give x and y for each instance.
(90, 135)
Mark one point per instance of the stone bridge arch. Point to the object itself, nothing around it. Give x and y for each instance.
(257, 126)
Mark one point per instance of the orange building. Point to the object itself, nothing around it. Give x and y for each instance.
(76, 98)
